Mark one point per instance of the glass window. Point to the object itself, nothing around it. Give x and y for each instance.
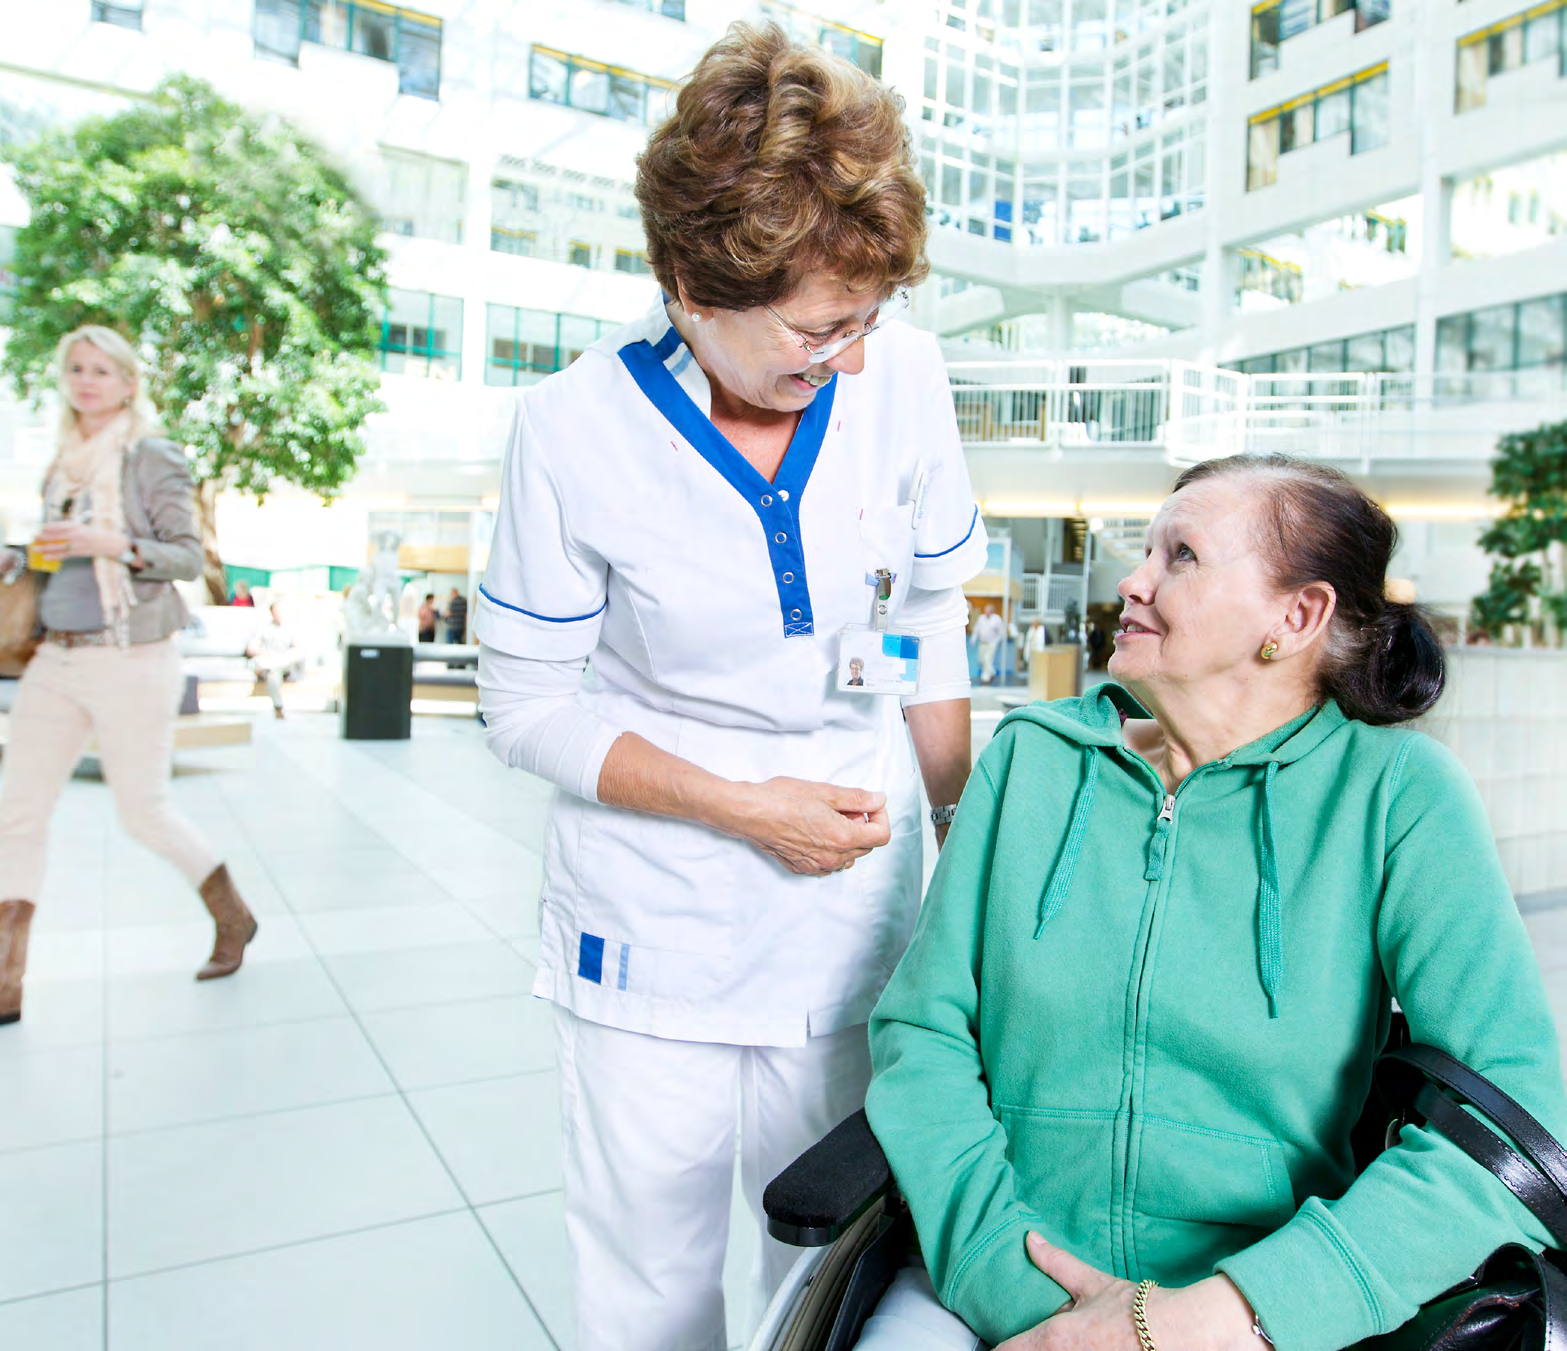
(547, 76)
(121, 13)
(421, 334)
(579, 254)
(1296, 127)
(507, 239)
(1452, 343)
(1333, 113)
(1292, 362)
(1541, 337)
(1296, 16)
(1364, 353)
(1369, 13)
(276, 28)
(373, 33)
(1491, 334)
(1399, 345)
(630, 260)
(1088, 114)
(1326, 357)
(1265, 39)
(418, 55)
(588, 88)
(1542, 36)
(1471, 76)
(1373, 114)
(328, 22)
(421, 196)
(1262, 154)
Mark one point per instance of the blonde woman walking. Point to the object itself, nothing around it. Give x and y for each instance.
(119, 528)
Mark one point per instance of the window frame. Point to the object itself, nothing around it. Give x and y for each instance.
(308, 14)
(428, 351)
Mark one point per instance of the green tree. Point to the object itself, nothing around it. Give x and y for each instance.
(236, 258)
(1529, 476)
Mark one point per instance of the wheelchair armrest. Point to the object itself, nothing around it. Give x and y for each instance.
(818, 1196)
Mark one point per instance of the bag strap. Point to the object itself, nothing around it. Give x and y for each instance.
(1531, 1137)
(1486, 1148)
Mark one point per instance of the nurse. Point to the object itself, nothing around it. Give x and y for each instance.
(704, 521)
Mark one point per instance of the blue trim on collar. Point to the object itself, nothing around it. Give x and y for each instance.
(776, 504)
(974, 520)
(667, 344)
(548, 619)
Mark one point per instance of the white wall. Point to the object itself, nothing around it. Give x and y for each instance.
(1505, 716)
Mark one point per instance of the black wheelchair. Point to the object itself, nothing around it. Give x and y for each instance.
(840, 1203)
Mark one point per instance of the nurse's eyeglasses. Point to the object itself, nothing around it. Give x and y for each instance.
(820, 349)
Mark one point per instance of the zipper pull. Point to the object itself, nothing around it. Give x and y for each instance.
(1161, 835)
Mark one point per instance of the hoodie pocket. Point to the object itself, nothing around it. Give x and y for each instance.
(1200, 1195)
(1063, 1159)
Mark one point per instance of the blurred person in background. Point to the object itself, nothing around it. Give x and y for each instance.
(120, 528)
(428, 617)
(274, 656)
(990, 631)
(456, 617)
(242, 596)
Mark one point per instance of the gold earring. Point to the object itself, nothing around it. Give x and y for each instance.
(1268, 649)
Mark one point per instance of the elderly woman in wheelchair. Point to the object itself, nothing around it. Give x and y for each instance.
(1118, 1070)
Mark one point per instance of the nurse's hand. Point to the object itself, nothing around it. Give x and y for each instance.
(812, 828)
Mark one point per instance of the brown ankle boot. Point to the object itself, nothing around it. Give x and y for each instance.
(236, 925)
(16, 918)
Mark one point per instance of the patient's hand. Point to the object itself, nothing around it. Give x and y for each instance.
(1209, 1316)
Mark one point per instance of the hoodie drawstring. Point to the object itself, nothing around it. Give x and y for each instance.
(1066, 865)
(1270, 925)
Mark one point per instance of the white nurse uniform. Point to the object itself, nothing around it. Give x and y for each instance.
(706, 604)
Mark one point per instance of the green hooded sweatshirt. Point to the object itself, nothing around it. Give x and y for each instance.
(1143, 1024)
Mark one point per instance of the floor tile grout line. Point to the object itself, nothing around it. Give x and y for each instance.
(329, 1236)
(413, 1113)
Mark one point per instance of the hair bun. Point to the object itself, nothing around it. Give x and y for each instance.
(1406, 668)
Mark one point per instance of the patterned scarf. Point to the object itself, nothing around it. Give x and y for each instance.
(84, 484)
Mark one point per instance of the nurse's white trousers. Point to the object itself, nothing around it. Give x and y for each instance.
(650, 1129)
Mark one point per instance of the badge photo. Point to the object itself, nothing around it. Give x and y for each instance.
(877, 662)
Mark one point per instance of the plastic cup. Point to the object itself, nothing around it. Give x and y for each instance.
(38, 561)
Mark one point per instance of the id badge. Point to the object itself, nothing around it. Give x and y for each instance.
(876, 661)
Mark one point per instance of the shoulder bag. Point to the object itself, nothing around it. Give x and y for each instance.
(1517, 1300)
(19, 631)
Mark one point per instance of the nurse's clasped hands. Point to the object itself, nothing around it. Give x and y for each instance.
(814, 829)
(811, 828)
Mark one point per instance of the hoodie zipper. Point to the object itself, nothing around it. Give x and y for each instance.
(1164, 822)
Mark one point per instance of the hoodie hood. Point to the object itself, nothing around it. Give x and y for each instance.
(1094, 720)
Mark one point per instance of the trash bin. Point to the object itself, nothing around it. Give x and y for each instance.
(378, 689)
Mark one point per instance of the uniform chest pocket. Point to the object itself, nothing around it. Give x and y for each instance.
(887, 541)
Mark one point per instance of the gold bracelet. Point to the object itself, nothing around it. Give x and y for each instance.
(1140, 1315)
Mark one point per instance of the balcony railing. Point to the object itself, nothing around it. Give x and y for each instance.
(1189, 412)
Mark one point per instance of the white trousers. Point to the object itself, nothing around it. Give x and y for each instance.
(127, 697)
(987, 660)
(910, 1318)
(650, 1128)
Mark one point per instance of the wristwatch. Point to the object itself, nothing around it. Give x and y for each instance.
(942, 816)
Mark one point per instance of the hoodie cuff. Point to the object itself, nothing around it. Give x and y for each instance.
(1311, 1286)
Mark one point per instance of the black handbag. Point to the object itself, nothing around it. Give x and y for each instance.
(1516, 1301)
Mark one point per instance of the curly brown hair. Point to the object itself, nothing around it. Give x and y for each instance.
(780, 160)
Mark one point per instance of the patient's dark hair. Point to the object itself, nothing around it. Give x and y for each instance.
(1382, 661)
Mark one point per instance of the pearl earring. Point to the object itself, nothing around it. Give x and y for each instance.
(1268, 650)
(695, 317)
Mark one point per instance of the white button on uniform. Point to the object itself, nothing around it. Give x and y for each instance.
(783, 494)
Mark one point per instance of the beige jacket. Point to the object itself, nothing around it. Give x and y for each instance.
(160, 516)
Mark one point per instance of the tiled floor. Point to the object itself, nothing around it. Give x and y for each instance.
(355, 1142)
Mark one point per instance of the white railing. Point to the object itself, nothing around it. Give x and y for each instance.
(1189, 411)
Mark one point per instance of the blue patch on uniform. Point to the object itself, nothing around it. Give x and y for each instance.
(590, 958)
